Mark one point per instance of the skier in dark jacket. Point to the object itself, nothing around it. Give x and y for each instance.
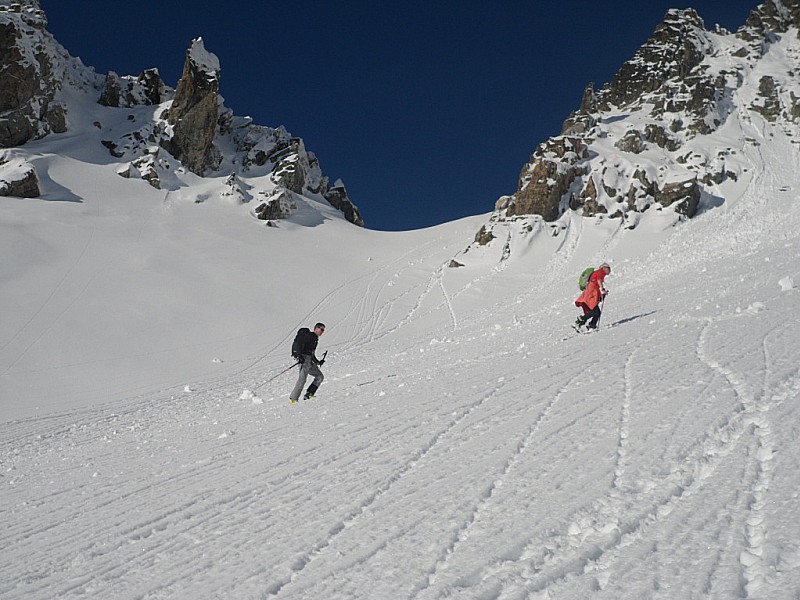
(303, 349)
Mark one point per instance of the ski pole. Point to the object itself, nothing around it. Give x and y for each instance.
(602, 306)
(276, 376)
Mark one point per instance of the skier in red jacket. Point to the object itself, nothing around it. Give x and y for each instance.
(590, 299)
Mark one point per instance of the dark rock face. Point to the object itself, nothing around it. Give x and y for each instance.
(544, 185)
(195, 112)
(547, 178)
(338, 198)
(771, 17)
(277, 206)
(672, 52)
(18, 178)
(124, 92)
(685, 195)
(770, 105)
(29, 78)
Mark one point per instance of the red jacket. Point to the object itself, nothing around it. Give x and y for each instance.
(593, 293)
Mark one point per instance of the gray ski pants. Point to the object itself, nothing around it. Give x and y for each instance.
(309, 367)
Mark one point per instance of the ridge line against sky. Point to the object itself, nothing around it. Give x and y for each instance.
(426, 111)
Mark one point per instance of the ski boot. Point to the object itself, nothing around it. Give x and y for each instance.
(312, 389)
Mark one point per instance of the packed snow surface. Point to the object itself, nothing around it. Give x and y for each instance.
(465, 443)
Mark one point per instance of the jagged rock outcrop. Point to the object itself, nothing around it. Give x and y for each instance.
(769, 18)
(685, 195)
(144, 167)
(581, 121)
(590, 199)
(123, 92)
(236, 189)
(189, 131)
(195, 112)
(260, 163)
(671, 54)
(659, 135)
(277, 206)
(632, 142)
(484, 236)
(18, 178)
(30, 76)
(769, 104)
(291, 166)
(547, 178)
(338, 198)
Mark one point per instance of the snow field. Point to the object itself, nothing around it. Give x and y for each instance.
(495, 459)
(464, 444)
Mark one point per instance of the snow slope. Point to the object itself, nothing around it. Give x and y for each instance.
(465, 444)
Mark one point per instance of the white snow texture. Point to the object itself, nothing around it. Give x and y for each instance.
(465, 442)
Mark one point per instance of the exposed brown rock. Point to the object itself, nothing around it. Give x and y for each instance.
(338, 198)
(194, 112)
(685, 194)
(28, 81)
(20, 182)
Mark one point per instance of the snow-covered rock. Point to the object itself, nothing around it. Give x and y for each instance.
(665, 133)
(185, 134)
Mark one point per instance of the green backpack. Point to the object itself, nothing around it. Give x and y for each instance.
(583, 280)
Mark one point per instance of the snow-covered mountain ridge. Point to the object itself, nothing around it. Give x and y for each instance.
(175, 140)
(667, 133)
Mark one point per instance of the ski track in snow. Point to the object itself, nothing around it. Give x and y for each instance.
(486, 497)
(356, 313)
(755, 420)
(624, 427)
(50, 299)
(382, 489)
(590, 541)
(601, 525)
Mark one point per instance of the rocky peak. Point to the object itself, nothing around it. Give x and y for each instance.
(199, 81)
(676, 47)
(127, 91)
(31, 74)
(159, 146)
(195, 111)
(773, 16)
(666, 133)
(197, 124)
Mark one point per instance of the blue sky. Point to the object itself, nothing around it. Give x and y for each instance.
(426, 110)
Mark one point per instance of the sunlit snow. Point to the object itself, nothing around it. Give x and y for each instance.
(465, 443)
